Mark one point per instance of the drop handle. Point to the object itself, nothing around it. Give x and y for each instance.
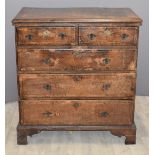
(91, 36)
(104, 114)
(106, 61)
(46, 61)
(48, 114)
(62, 35)
(47, 87)
(29, 36)
(106, 86)
(124, 36)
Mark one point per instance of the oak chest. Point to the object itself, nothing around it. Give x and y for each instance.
(76, 70)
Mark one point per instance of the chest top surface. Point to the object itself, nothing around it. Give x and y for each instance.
(39, 15)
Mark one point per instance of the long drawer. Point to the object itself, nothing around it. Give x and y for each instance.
(69, 60)
(46, 36)
(77, 85)
(76, 112)
(122, 36)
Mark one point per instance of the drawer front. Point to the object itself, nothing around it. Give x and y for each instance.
(53, 60)
(77, 85)
(46, 36)
(108, 36)
(76, 112)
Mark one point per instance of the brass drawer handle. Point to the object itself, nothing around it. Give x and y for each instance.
(47, 87)
(29, 36)
(124, 36)
(46, 61)
(62, 35)
(48, 114)
(91, 36)
(106, 86)
(106, 61)
(104, 114)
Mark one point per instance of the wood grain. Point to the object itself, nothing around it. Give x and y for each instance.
(71, 60)
(46, 36)
(77, 85)
(76, 112)
(108, 36)
(48, 15)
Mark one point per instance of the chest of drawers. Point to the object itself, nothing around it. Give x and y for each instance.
(76, 70)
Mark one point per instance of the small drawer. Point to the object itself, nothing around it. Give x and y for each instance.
(46, 36)
(76, 112)
(108, 36)
(68, 60)
(77, 85)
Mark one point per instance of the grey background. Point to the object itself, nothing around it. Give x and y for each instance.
(141, 7)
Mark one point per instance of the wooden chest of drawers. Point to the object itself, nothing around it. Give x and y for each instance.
(76, 70)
